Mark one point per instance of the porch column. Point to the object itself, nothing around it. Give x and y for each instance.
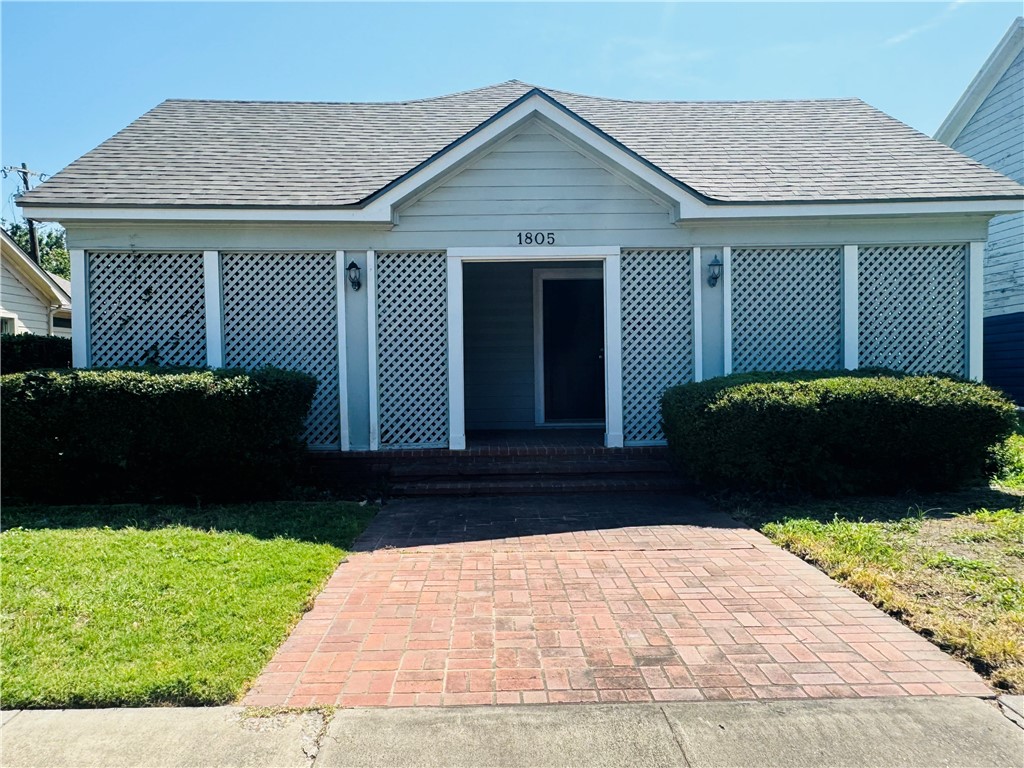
(340, 285)
(975, 309)
(456, 362)
(613, 437)
(214, 309)
(851, 309)
(79, 309)
(727, 310)
(371, 326)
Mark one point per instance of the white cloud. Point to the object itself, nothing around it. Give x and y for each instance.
(934, 21)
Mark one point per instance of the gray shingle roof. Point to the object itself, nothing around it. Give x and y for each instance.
(228, 153)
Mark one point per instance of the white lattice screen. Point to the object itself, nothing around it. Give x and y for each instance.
(412, 349)
(657, 335)
(280, 309)
(146, 308)
(913, 308)
(786, 309)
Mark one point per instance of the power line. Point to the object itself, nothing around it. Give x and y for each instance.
(25, 173)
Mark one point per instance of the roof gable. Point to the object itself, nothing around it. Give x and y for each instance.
(537, 171)
(30, 273)
(991, 72)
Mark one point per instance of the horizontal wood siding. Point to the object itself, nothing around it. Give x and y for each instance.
(23, 303)
(995, 136)
(1004, 266)
(1004, 353)
(535, 181)
(498, 339)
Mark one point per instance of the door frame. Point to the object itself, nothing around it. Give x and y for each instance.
(611, 262)
(541, 274)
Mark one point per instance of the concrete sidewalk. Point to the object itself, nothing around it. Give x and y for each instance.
(918, 731)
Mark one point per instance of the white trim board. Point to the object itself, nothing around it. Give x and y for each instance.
(539, 276)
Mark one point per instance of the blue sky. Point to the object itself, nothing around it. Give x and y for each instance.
(73, 74)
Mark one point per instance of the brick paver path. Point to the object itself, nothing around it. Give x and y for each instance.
(588, 598)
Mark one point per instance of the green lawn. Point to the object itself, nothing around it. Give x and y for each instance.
(137, 605)
(950, 566)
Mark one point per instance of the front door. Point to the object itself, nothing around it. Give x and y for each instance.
(573, 337)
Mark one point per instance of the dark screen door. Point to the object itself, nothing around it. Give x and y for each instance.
(573, 350)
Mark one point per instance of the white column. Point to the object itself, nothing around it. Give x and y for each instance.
(371, 325)
(975, 309)
(214, 310)
(340, 287)
(80, 309)
(456, 360)
(727, 310)
(851, 309)
(698, 317)
(613, 436)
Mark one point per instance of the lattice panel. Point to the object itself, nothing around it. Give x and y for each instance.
(657, 335)
(146, 308)
(280, 309)
(786, 309)
(412, 349)
(913, 308)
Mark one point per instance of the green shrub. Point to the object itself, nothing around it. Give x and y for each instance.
(27, 352)
(830, 433)
(144, 434)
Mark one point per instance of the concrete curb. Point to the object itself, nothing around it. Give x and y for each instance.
(923, 731)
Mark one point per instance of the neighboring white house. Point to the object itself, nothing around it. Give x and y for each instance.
(523, 257)
(987, 124)
(32, 300)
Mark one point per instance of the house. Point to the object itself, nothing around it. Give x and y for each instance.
(987, 124)
(32, 300)
(520, 258)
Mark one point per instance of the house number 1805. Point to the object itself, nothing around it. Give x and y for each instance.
(536, 238)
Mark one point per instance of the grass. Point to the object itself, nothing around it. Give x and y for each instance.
(139, 605)
(950, 566)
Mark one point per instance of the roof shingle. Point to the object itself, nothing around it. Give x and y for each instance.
(278, 154)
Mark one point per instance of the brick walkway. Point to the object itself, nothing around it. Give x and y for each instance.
(588, 598)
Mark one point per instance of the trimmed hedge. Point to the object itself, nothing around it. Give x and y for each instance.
(28, 352)
(833, 433)
(147, 434)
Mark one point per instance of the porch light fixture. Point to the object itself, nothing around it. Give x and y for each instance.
(353, 276)
(714, 271)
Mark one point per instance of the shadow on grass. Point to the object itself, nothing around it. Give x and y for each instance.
(337, 523)
(756, 512)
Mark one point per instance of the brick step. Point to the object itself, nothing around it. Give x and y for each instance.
(502, 452)
(542, 484)
(551, 466)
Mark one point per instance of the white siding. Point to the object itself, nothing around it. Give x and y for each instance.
(19, 300)
(995, 136)
(536, 182)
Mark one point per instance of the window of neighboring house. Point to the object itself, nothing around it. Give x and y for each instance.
(6, 325)
(62, 322)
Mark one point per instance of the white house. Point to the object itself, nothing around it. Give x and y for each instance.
(32, 300)
(987, 124)
(522, 257)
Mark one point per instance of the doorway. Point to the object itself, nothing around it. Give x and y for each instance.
(569, 347)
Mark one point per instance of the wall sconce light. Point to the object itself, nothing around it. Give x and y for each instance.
(353, 276)
(714, 271)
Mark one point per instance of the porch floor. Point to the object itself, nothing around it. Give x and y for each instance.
(536, 438)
